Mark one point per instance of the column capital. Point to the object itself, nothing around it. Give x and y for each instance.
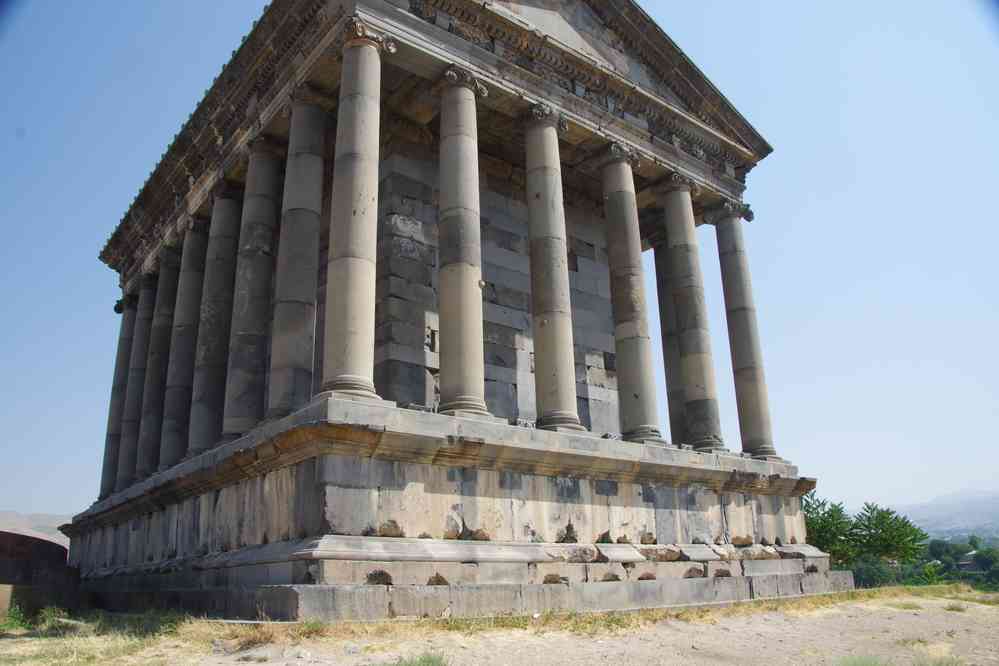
(226, 189)
(359, 33)
(126, 302)
(544, 114)
(195, 223)
(264, 144)
(456, 76)
(728, 209)
(677, 182)
(618, 152)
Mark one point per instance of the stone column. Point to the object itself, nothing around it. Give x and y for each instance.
(702, 425)
(246, 377)
(462, 360)
(183, 345)
(294, 332)
(132, 413)
(636, 387)
(671, 342)
(554, 361)
(126, 308)
(349, 353)
(212, 354)
(157, 360)
(743, 332)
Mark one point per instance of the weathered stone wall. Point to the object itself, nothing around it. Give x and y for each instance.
(406, 358)
(364, 496)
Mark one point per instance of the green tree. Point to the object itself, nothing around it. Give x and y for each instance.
(975, 542)
(882, 533)
(938, 549)
(872, 572)
(986, 558)
(828, 526)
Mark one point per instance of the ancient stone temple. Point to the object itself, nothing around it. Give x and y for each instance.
(384, 345)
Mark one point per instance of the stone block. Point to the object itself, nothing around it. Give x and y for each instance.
(661, 553)
(815, 583)
(601, 572)
(619, 552)
(816, 564)
(778, 567)
(570, 573)
(419, 601)
(789, 585)
(342, 602)
(840, 581)
(552, 598)
(801, 550)
(486, 600)
(724, 569)
(763, 587)
(759, 552)
(698, 552)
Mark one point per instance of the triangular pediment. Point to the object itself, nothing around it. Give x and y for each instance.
(619, 35)
(575, 24)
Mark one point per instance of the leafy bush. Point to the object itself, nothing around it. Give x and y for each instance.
(872, 572)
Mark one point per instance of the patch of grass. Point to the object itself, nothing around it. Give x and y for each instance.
(904, 605)
(938, 661)
(861, 661)
(15, 620)
(423, 660)
(912, 642)
(956, 607)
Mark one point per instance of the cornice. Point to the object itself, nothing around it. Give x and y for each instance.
(514, 40)
(258, 70)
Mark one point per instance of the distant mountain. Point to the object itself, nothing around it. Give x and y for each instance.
(41, 525)
(957, 515)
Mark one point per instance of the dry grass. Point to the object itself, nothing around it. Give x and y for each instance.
(904, 605)
(102, 638)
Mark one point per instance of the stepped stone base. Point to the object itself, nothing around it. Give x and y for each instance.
(354, 510)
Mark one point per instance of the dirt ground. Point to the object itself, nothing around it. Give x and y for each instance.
(936, 630)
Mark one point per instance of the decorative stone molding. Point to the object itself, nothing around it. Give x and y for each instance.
(357, 32)
(728, 209)
(456, 76)
(306, 93)
(265, 144)
(544, 114)
(619, 152)
(676, 181)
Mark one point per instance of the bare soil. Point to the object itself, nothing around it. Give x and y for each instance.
(940, 627)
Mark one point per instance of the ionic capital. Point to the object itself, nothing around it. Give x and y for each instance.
(456, 76)
(196, 224)
(677, 182)
(543, 114)
(619, 152)
(359, 33)
(727, 210)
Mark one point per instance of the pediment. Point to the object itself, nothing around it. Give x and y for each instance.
(575, 24)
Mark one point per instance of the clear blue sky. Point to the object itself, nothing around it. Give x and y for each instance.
(873, 250)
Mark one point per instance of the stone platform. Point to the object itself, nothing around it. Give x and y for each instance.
(362, 510)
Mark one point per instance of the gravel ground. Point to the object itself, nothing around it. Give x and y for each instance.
(896, 631)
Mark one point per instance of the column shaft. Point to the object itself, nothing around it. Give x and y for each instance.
(349, 354)
(246, 378)
(554, 361)
(636, 388)
(671, 344)
(744, 340)
(157, 360)
(119, 385)
(212, 355)
(183, 346)
(132, 413)
(294, 333)
(702, 422)
(462, 361)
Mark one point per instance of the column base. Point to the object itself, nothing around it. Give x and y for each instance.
(642, 433)
(371, 398)
(351, 385)
(560, 422)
